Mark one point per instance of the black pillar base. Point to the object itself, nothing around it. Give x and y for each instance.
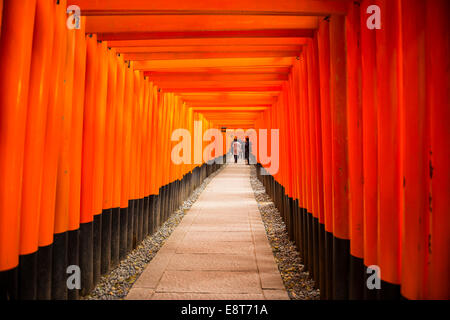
(44, 271)
(341, 268)
(59, 266)
(106, 241)
(97, 247)
(123, 239)
(87, 257)
(115, 237)
(357, 279)
(28, 276)
(74, 259)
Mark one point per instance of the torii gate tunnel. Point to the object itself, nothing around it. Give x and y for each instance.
(346, 104)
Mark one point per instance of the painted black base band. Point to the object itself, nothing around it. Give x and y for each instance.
(151, 214)
(87, 257)
(97, 246)
(341, 268)
(310, 239)
(145, 216)
(28, 276)
(9, 284)
(322, 263)
(389, 291)
(59, 266)
(135, 222)
(44, 272)
(140, 221)
(329, 264)
(130, 225)
(305, 238)
(115, 236)
(357, 281)
(106, 241)
(315, 241)
(123, 239)
(157, 211)
(295, 215)
(73, 259)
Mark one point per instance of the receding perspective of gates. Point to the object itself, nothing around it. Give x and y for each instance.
(112, 112)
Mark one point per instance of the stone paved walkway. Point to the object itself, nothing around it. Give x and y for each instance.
(219, 251)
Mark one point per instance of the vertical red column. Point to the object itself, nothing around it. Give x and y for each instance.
(34, 148)
(60, 239)
(119, 213)
(15, 54)
(370, 145)
(99, 152)
(438, 102)
(323, 39)
(125, 208)
(416, 173)
(355, 155)
(86, 199)
(52, 145)
(320, 227)
(339, 157)
(76, 146)
(1, 11)
(314, 96)
(389, 179)
(109, 159)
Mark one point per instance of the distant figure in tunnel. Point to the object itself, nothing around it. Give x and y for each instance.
(236, 149)
(247, 149)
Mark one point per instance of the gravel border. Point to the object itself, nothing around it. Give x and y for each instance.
(298, 283)
(116, 284)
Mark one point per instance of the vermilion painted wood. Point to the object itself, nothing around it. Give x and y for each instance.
(76, 135)
(305, 7)
(354, 125)
(126, 152)
(370, 143)
(100, 126)
(438, 102)
(207, 43)
(318, 126)
(285, 33)
(16, 46)
(110, 131)
(339, 150)
(415, 125)
(63, 176)
(38, 97)
(119, 130)
(141, 23)
(307, 132)
(313, 99)
(242, 48)
(53, 131)
(389, 179)
(86, 213)
(1, 11)
(154, 137)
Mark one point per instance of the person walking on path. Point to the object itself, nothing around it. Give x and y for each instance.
(247, 149)
(236, 149)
